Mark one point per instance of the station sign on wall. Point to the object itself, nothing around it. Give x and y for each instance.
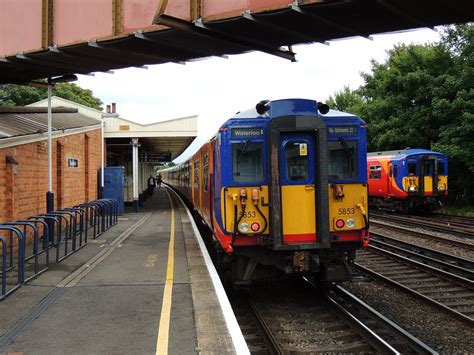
(155, 157)
(72, 163)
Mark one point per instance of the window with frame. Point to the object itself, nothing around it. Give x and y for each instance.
(342, 159)
(247, 161)
(440, 168)
(196, 174)
(375, 172)
(205, 172)
(297, 162)
(411, 167)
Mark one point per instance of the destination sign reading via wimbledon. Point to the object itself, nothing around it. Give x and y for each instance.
(246, 132)
(342, 130)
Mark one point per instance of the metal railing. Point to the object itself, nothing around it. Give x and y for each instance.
(65, 230)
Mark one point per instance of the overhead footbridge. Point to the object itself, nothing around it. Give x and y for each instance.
(47, 38)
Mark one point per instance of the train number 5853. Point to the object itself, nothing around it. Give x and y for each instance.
(345, 211)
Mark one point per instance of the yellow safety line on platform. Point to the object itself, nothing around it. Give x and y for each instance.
(163, 331)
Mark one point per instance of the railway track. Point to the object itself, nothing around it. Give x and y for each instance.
(451, 293)
(453, 219)
(455, 242)
(418, 222)
(336, 322)
(448, 262)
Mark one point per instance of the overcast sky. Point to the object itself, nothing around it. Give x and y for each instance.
(216, 88)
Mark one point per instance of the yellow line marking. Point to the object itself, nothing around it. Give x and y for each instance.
(163, 331)
(150, 261)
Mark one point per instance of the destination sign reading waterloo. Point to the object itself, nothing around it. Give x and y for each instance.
(246, 132)
(342, 130)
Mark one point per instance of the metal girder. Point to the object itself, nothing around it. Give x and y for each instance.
(145, 37)
(301, 36)
(202, 29)
(393, 9)
(84, 59)
(72, 67)
(349, 31)
(150, 58)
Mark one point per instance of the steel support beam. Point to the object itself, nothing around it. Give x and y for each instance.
(202, 29)
(148, 58)
(300, 36)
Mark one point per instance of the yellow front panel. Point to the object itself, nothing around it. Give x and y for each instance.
(251, 214)
(298, 209)
(351, 206)
(442, 183)
(410, 181)
(428, 184)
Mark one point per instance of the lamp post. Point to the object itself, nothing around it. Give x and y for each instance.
(102, 149)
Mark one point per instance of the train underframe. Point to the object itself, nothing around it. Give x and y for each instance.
(409, 204)
(247, 264)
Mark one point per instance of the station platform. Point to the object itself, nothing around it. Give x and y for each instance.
(143, 287)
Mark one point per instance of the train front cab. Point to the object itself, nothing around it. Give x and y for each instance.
(310, 214)
(426, 181)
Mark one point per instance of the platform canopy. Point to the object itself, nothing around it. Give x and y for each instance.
(163, 141)
(47, 38)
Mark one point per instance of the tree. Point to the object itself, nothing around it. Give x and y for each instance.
(346, 100)
(422, 96)
(18, 95)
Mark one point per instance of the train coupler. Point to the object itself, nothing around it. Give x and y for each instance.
(304, 261)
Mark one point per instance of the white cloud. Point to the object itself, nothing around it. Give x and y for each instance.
(216, 88)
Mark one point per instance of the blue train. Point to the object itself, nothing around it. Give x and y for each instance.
(283, 187)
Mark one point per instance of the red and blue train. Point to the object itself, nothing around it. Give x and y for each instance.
(409, 180)
(282, 187)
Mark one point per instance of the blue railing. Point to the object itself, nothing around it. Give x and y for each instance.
(65, 230)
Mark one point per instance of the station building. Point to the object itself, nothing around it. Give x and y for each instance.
(24, 159)
(126, 143)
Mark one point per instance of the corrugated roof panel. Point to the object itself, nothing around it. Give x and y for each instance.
(23, 123)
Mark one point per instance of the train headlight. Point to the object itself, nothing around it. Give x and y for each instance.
(350, 223)
(244, 227)
(340, 223)
(255, 227)
(412, 188)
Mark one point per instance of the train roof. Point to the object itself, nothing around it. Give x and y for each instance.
(290, 106)
(401, 154)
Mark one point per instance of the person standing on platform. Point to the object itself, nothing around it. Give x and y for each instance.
(158, 180)
(151, 185)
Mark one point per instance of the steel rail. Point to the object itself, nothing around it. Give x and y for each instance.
(426, 225)
(271, 340)
(443, 275)
(459, 243)
(448, 262)
(408, 339)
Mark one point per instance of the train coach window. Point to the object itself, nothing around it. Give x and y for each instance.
(342, 159)
(375, 172)
(297, 167)
(411, 167)
(441, 168)
(247, 162)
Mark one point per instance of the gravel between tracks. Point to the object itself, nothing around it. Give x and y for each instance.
(443, 333)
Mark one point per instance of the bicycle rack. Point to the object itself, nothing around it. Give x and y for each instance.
(21, 260)
(35, 255)
(62, 227)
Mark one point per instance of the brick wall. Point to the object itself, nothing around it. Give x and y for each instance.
(23, 188)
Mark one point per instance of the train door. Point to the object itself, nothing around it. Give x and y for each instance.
(390, 178)
(428, 174)
(297, 165)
